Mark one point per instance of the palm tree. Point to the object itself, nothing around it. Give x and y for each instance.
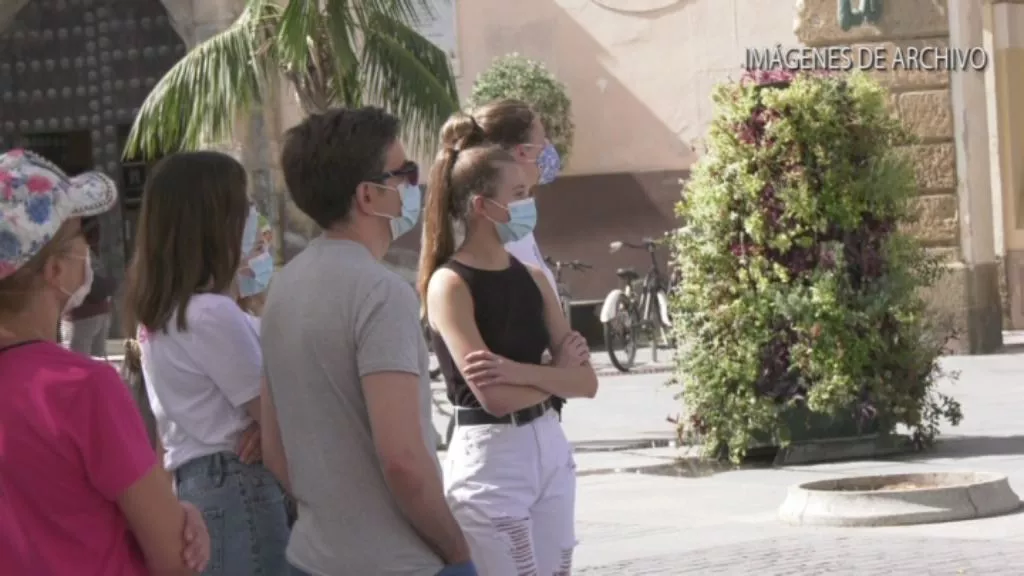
(334, 52)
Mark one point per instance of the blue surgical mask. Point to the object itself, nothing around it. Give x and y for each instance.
(549, 163)
(522, 218)
(262, 268)
(261, 263)
(412, 203)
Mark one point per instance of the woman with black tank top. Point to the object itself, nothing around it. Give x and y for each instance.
(510, 475)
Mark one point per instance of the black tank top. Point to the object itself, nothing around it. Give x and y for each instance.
(509, 312)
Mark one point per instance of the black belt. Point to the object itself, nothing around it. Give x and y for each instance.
(480, 417)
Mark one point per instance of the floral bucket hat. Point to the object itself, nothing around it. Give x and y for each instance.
(36, 198)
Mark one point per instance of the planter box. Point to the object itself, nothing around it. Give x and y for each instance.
(807, 427)
(817, 438)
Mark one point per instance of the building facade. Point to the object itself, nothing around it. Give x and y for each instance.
(948, 113)
(639, 73)
(72, 76)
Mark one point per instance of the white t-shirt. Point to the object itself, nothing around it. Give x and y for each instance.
(254, 323)
(526, 251)
(198, 381)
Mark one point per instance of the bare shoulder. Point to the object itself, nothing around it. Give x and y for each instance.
(539, 277)
(445, 284)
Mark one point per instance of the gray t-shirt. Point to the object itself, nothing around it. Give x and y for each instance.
(333, 315)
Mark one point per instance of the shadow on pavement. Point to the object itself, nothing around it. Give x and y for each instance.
(698, 468)
(946, 448)
(971, 446)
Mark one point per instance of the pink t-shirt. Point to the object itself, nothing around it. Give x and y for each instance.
(71, 442)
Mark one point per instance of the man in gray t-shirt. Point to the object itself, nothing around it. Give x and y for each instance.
(346, 365)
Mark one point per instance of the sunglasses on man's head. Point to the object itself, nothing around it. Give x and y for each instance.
(410, 171)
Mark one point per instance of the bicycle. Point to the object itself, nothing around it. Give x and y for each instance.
(636, 308)
(564, 296)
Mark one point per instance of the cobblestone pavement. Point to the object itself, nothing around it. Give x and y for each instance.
(835, 556)
(725, 522)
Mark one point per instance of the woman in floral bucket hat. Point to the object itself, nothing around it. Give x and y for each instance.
(81, 490)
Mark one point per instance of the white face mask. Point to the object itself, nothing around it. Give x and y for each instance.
(76, 298)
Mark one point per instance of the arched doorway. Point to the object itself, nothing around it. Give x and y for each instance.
(72, 76)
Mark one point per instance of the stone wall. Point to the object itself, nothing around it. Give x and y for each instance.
(922, 99)
(72, 77)
(1006, 23)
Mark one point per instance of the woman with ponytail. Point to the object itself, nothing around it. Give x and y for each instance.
(515, 127)
(509, 476)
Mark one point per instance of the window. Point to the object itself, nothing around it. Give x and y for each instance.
(133, 171)
(133, 181)
(71, 151)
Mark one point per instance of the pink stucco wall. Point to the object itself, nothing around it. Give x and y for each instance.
(639, 72)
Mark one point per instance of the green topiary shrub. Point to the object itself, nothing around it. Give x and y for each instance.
(799, 291)
(513, 76)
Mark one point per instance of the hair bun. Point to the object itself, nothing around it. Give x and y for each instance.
(461, 131)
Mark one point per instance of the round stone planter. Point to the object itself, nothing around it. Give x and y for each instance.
(899, 499)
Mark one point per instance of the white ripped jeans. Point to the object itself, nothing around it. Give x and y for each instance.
(513, 491)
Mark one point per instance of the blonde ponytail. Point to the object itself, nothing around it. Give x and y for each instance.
(438, 243)
(466, 164)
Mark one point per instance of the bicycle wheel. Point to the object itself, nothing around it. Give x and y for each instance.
(660, 338)
(660, 333)
(620, 336)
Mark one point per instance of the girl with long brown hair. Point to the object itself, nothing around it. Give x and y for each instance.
(201, 358)
(509, 476)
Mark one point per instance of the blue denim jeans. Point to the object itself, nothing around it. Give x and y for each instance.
(244, 509)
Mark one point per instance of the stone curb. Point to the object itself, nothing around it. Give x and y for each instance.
(857, 502)
(612, 372)
(590, 447)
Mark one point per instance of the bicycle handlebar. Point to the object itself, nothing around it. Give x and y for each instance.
(644, 244)
(574, 265)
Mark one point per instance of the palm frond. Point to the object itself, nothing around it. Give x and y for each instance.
(341, 31)
(366, 11)
(409, 76)
(299, 25)
(318, 55)
(200, 97)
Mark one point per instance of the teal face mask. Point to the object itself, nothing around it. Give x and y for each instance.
(258, 265)
(262, 268)
(412, 204)
(522, 219)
